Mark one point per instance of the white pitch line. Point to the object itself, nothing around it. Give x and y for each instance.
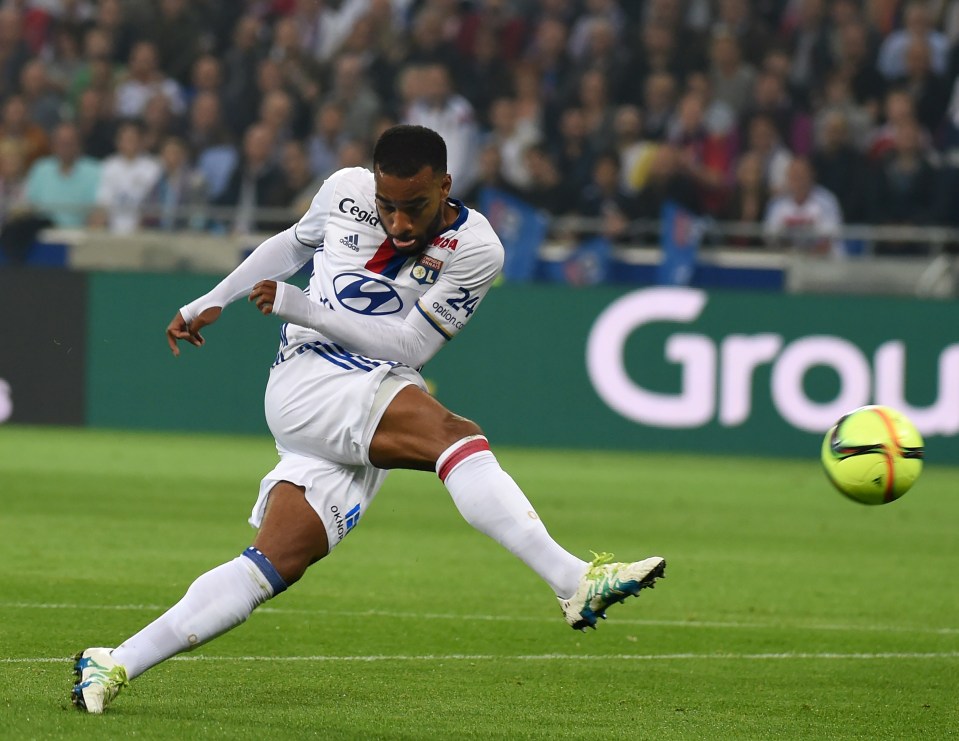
(717, 624)
(545, 657)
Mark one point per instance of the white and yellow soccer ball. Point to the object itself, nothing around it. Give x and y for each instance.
(873, 455)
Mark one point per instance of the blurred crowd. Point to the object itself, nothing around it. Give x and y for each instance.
(170, 114)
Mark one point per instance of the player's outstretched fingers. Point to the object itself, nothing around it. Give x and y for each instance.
(264, 295)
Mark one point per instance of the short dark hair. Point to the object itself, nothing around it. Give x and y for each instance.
(404, 150)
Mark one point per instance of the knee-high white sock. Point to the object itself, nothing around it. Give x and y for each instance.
(490, 501)
(217, 601)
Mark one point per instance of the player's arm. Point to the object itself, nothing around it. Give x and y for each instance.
(276, 258)
(438, 316)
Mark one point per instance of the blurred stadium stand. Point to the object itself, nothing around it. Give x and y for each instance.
(589, 117)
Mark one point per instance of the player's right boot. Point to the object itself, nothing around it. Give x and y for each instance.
(99, 679)
(606, 583)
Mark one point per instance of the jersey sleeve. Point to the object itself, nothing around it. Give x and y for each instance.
(311, 228)
(450, 303)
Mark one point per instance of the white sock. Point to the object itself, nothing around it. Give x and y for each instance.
(490, 501)
(217, 601)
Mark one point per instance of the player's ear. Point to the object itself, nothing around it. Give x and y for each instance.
(446, 185)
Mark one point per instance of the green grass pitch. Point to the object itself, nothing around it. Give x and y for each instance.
(788, 612)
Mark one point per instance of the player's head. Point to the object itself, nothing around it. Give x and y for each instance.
(412, 185)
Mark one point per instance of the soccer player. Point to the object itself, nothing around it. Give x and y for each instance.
(399, 268)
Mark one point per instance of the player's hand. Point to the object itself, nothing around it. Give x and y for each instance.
(264, 294)
(178, 329)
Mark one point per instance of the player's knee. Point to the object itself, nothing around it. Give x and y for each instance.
(456, 428)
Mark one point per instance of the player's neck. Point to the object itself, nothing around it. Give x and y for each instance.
(451, 213)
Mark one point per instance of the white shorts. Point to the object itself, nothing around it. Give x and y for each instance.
(323, 417)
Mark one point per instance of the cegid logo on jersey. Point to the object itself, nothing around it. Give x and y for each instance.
(366, 295)
(717, 376)
(348, 206)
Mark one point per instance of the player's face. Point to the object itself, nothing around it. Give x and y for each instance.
(412, 210)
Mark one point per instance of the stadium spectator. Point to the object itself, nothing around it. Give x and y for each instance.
(299, 186)
(658, 54)
(483, 77)
(496, 21)
(44, 103)
(177, 200)
(240, 62)
(836, 98)
(604, 199)
(206, 76)
(731, 78)
(176, 34)
(277, 114)
(144, 80)
(547, 54)
(125, 180)
(255, 184)
(449, 114)
(707, 157)
(605, 54)
(917, 22)
(14, 52)
(572, 152)
(855, 61)
(806, 216)
(159, 123)
(329, 134)
(112, 20)
(301, 73)
(747, 200)
(66, 59)
(593, 100)
(841, 167)
(97, 69)
(905, 184)
(324, 26)
(763, 138)
(747, 27)
(771, 98)
(659, 100)
(927, 88)
(63, 186)
(211, 143)
(351, 91)
(511, 137)
(810, 51)
(96, 123)
(530, 107)
(17, 130)
(668, 180)
(489, 175)
(635, 153)
(898, 107)
(13, 188)
(429, 44)
(548, 190)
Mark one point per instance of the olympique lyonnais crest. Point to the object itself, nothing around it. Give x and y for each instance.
(426, 269)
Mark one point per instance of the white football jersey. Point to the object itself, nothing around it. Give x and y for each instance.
(356, 269)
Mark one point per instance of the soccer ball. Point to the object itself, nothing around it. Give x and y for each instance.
(873, 454)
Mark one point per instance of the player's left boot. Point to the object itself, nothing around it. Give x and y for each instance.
(99, 679)
(605, 583)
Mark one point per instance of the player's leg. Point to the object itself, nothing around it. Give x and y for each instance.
(291, 537)
(418, 432)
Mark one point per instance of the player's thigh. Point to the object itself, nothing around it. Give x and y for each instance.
(307, 506)
(319, 408)
(415, 429)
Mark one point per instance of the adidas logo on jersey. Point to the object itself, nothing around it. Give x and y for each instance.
(352, 241)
